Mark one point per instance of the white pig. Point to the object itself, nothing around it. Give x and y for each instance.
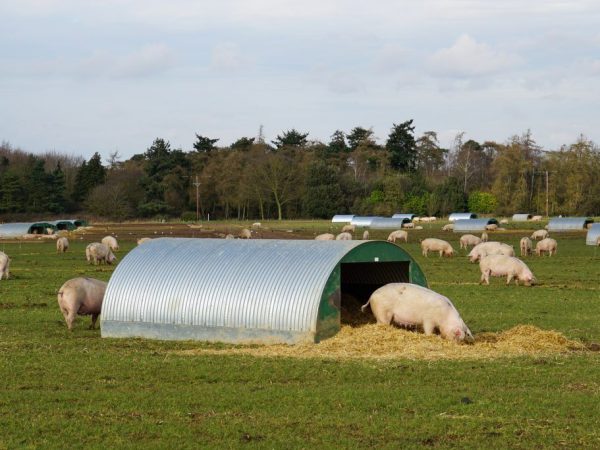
(468, 239)
(547, 245)
(97, 252)
(436, 245)
(410, 305)
(348, 229)
(111, 242)
(539, 234)
(398, 234)
(490, 248)
(4, 266)
(325, 237)
(81, 296)
(526, 246)
(501, 265)
(345, 236)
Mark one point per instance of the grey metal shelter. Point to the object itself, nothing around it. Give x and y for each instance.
(363, 221)
(461, 216)
(342, 218)
(593, 235)
(410, 217)
(388, 223)
(568, 223)
(20, 228)
(264, 291)
(521, 217)
(463, 225)
(63, 224)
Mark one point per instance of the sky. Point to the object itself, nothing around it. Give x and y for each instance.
(79, 77)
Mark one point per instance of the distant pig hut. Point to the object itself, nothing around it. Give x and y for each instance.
(460, 226)
(593, 235)
(342, 218)
(410, 217)
(242, 291)
(461, 216)
(63, 224)
(388, 223)
(17, 229)
(363, 221)
(521, 217)
(558, 224)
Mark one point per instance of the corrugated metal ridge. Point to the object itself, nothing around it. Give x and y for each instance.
(472, 224)
(567, 223)
(388, 222)
(15, 228)
(254, 284)
(593, 234)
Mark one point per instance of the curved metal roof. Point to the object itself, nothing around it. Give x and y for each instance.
(363, 221)
(410, 217)
(237, 290)
(461, 216)
(472, 224)
(64, 224)
(521, 217)
(21, 228)
(568, 223)
(387, 223)
(593, 235)
(342, 218)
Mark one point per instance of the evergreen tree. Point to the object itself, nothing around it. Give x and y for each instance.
(402, 147)
(323, 196)
(338, 142)
(243, 144)
(291, 138)
(89, 175)
(358, 136)
(56, 190)
(204, 144)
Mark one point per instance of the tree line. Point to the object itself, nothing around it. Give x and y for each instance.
(295, 177)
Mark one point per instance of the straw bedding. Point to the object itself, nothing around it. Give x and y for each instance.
(372, 341)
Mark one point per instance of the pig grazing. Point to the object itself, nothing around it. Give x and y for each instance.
(436, 245)
(97, 253)
(81, 296)
(539, 234)
(4, 266)
(62, 244)
(325, 237)
(245, 233)
(467, 240)
(409, 305)
(484, 237)
(111, 243)
(547, 245)
(526, 246)
(398, 234)
(490, 248)
(348, 229)
(345, 236)
(448, 227)
(500, 265)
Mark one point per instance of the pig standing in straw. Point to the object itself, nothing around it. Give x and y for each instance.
(408, 305)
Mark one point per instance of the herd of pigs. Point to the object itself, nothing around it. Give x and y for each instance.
(403, 304)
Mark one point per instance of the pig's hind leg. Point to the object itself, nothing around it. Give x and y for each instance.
(94, 318)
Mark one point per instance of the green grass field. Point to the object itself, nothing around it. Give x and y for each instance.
(73, 390)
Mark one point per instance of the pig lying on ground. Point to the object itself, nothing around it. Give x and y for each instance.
(491, 227)
(467, 240)
(345, 236)
(410, 305)
(539, 234)
(490, 248)
(398, 234)
(325, 237)
(436, 245)
(97, 253)
(111, 242)
(536, 218)
(547, 245)
(408, 225)
(4, 266)
(81, 296)
(500, 265)
(526, 246)
(62, 244)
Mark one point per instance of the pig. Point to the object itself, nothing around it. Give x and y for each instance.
(325, 237)
(245, 233)
(97, 253)
(448, 227)
(62, 245)
(81, 296)
(500, 265)
(142, 240)
(257, 225)
(4, 266)
(418, 227)
(408, 225)
(111, 242)
(536, 218)
(504, 221)
(491, 227)
(345, 236)
(467, 240)
(484, 237)
(436, 245)
(547, 245)
(398, 234)
(229, 236)
(410, 305)
(539, 234)
(348, 229)
(490, 248)
(526, 246)
(366, 235)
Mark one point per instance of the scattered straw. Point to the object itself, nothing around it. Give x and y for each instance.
(372, 341)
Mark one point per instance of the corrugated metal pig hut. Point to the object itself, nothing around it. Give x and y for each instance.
(17, 229)
(593, 235)
(242, 291)
(463, 225)
(461, 216)
(568, 223)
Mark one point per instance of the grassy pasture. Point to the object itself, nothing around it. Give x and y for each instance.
(61, 389)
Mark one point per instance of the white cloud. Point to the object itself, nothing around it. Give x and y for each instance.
(228, 57)
(468, 58)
